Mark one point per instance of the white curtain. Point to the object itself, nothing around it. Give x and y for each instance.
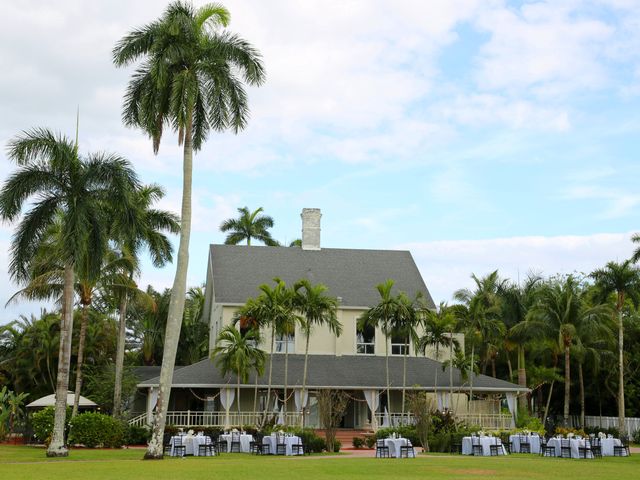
(300, 401)
(373, 401)
(511, 402)
(281, 417)
(227, 396)
(152, 400)
(386, 423)
(440, 400)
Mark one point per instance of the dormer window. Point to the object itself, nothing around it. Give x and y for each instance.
(366, 340)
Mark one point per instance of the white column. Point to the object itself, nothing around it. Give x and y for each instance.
(152, 400)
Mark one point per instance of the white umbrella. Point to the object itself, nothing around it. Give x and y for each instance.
(50, 401)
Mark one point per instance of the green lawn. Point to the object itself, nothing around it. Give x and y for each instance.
(31, 463)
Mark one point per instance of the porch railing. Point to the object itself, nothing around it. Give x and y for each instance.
(190, 418)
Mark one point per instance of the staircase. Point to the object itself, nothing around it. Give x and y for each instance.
(345, 435)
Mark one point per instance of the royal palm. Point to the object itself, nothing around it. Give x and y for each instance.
(189, 79)
(54, 181)
(247, 226)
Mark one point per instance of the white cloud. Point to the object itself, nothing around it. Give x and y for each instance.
(447, 265)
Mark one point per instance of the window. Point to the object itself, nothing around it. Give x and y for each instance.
(399, 345)
(366, 340)
(285, 343)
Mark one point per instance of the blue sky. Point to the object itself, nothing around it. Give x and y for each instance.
(477, 134)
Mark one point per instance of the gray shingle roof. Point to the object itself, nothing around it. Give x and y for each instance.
(348, 273)
(352, 371)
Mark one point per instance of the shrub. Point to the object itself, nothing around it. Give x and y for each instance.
(358, 442)
(406, 431)
(170, 430)
(316, 445)
(636, 436)
(213, 432)
(370, 441)
(336, 445)
(95, 429)
(42, 422)
(138, 435)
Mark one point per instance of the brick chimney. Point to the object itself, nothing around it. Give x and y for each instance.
(311, 228)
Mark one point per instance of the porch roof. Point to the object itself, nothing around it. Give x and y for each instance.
(342, 372)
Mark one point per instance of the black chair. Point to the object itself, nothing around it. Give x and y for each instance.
(222, 446)
(495, 449)
(179, 448)
(455, 448)
(166, 444)
(407, 450)
(596, 447)
(476, 447)
(506, 443)
(255, 445)
(585, 450)
(525, 445)
(297, 449)
(206, 449)
(565, 448)
(281, 446)
(623, 449)
(382, 450)
(235, 443)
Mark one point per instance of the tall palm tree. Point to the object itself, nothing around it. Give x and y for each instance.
(247, 226)
(61, 183)
(560, 314)
(237, 353)
(317, 310)
(190, 78)
(405, 324)
(623, 279)
(150, 233)
(438, 332)
(383, 316)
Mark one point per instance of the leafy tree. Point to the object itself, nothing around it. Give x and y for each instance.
(190, 79)
(623, 279)
(61, 184)
(247, 226)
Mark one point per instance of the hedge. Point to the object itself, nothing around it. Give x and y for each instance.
(97, 430)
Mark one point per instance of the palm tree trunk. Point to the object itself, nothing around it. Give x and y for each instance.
(255, 399)
(582, 401)
(273, 341)
(81, 342)
(451, 371)
(522, 376)
(435, 382)
(176, 304)
(122, 338)
(493, 367)
(286, 373)
(386, 359)
(304, 375)
(471, 369)
(238, 401)
(57, 446)
(621, 421)
(404, 376)
(546, 408)
(509, 366)
(567, 384)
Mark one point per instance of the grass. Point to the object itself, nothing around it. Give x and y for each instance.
(20, 462)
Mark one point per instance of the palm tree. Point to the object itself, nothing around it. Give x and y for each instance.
(623, 279)
(237, 353)
(405, 323)
(317, 309)
(247, 226)
(190, 79)
(438, 332)
(560, 314)
(61, 183)
(150, 233)
(383, 316)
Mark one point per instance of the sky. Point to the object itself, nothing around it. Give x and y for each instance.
(478, 134)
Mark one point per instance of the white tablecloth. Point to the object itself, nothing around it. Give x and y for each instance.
(534, 441)
(245, 440)
(191, 444)
(289, 441)
(608, 444)
(575, 445)
(394, 445)
(486, 443)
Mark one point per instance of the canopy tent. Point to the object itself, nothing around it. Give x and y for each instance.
(50, 401)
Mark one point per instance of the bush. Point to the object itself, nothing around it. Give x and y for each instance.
(314, 443)
(213, 432)
(370, 441)
(336, 445)
(317, 445)
(609, 431)
(42, 422)
(138, 435)
(95, 429)
(636, 437)
(405, 431)
(170, 430)
(358, 442)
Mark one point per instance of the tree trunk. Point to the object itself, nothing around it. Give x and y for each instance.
(621, 422)
(451, 372)
(122, 338)
(176, 304)
(238, 402)
(522, 376)
(304, 375)
(286, 373)
(57, 446)
(81, 342)
(273, 341)
(509, 366)
(404, 376)
(471, 372)
(386, 359)
(255, 400)
(435, 382)
(493, 367)
(567, 384)
(582, 402)
(546, 408)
